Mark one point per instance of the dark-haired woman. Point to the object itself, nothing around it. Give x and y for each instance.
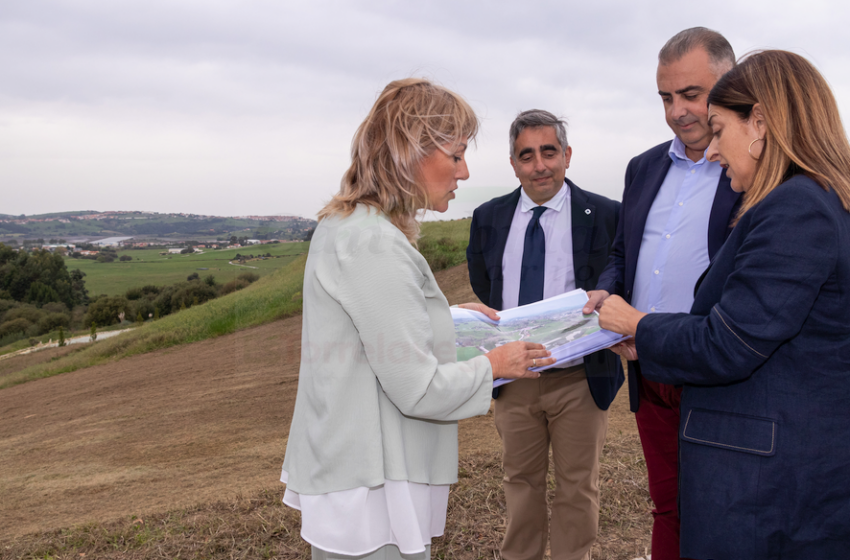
(765, 352)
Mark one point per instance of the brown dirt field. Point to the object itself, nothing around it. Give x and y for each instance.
(12, 364)
(201, 423)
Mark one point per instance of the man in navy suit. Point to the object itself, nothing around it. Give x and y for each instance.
(566, 408)
(676, 211)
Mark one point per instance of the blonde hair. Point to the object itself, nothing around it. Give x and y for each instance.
(804, 131)
(410, 119)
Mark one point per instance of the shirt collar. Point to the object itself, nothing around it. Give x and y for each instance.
(555, 203)
(677, 152)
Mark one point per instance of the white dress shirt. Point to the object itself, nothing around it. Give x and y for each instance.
(559, 273)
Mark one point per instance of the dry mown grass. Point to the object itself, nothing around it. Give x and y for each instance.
(259, 526)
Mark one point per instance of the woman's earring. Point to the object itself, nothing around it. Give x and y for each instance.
(749, 150)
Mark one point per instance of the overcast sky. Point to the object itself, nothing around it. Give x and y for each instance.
(232, 108)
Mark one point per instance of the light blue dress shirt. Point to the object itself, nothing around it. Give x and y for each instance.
(674, 249)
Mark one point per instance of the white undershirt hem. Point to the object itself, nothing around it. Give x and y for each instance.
(361, 520)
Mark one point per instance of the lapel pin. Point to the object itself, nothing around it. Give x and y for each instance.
(587, 211)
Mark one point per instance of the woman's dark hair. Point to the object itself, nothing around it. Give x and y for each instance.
(804, 131)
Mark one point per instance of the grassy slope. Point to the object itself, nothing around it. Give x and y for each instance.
(273, 297)
(149, 267)
(444, 243)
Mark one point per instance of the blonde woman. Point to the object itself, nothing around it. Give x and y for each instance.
(373, 443)
(765, 352)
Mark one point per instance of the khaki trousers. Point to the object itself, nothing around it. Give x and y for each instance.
(556, 408)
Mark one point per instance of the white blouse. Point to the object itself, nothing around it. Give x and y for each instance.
(361, 520)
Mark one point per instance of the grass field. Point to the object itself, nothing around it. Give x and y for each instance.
(442, 243)
(149, 267)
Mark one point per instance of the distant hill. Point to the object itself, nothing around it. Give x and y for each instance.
(92, 223)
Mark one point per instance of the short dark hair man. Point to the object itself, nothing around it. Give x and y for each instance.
(567, 407)
(677, 207)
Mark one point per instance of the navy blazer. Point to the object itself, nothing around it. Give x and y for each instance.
(594, 222)
(765, 359)
(644, 177)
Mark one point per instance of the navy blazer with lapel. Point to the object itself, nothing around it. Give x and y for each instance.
(765, 358)
(594, 223)
(644, 177)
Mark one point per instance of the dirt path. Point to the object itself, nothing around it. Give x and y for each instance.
(167, 429)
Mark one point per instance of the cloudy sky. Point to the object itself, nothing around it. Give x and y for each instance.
(232, 108)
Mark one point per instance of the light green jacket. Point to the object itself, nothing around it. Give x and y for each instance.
(379, 390)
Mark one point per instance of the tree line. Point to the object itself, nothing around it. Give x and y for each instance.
(39, 295)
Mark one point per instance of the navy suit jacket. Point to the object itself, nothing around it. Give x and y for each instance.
(594, 222)
(765, 359)
(644, 177)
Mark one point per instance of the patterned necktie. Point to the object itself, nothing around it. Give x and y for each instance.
(533, 260)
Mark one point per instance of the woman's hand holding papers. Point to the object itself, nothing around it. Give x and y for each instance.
(513, 360)
(618, 316)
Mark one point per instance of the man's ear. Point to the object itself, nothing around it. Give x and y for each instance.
(513, 164)
(568, 154)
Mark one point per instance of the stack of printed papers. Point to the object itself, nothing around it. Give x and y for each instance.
(557, 323)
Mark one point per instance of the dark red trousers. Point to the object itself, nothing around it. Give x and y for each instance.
(658, 425)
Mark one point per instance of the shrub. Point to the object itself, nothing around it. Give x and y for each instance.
(249, 277)
(55, 307)
(105, 310)
(78, 315)
(6, 305)
(133, 294)
(14, 337)
(193, 276)
(125, 258)
(14, 326)
(151, 290)
(28, 312)
(53, 320)
(192, 293)
(143, 306)
(232, 286)
(210, 281)
(163, 300)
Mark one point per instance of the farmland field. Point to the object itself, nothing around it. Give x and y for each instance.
(149, 267)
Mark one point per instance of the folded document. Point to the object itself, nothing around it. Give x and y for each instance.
(557, 323)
